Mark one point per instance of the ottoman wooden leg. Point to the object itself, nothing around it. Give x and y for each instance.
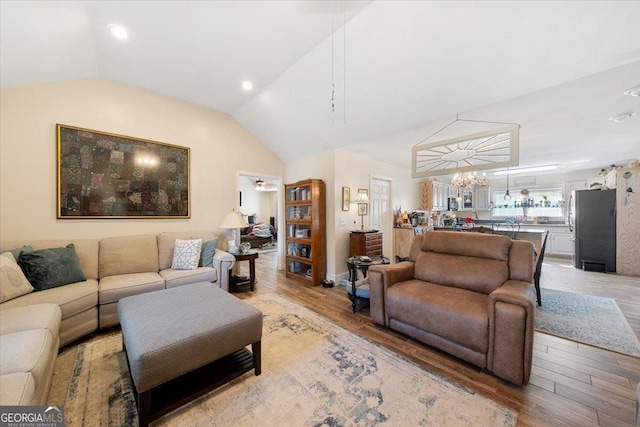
(256, 349)
(144, 408)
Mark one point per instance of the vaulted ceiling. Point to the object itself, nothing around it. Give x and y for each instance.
(399, 70)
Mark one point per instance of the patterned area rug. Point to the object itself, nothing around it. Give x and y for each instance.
(313, 373)
(588, 319)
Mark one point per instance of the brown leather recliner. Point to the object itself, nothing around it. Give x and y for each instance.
(469, 294)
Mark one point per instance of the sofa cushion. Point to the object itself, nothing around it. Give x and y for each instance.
(52, 267)
(452, 313)
(13, 283)
(186, 254)
(36, 316)
(33, 351)
(114, 288)
(72, 299)
(127, 255)
(175, 278)
(466, 272)
(166, 243)
(86, 249)
(17, 389)
(491, 246)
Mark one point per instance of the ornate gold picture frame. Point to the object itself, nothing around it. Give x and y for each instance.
(105, 175)
(346, 198)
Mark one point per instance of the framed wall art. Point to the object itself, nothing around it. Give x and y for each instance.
(346, 198)
(105, 175)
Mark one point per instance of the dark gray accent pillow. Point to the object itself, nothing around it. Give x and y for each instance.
(50, 268)
(16, 252)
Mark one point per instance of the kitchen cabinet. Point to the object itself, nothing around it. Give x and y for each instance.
(466, 199)
(481, 198)
(433, 196)
(560, 241)
(402, 238)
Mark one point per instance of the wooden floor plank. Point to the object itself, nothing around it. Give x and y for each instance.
(571, 385)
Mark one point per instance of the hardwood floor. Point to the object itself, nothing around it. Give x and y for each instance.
(571, 384)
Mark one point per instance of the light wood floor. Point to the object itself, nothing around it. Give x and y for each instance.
(571, 384)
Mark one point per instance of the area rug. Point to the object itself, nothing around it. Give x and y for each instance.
(588, 319)
(314, 373)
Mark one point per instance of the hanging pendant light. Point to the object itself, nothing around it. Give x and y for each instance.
(507, 196)
(260, 185)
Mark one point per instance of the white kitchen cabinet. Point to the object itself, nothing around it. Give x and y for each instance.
(481, 198)
(433, 196)
(560, 242)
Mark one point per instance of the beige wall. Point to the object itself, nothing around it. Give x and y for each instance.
(219, 145)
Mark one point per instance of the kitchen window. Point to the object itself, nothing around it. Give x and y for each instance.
(540, 205)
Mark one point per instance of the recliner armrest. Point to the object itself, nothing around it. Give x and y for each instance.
(381, 277)
(223, 262)
(511, 326)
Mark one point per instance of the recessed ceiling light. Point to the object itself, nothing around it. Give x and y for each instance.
(247, 85)
(622, 117)
(527, 170)
(634, 91)
(118, 31)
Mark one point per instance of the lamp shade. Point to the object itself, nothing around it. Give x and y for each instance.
(362, 198)
(234, 220)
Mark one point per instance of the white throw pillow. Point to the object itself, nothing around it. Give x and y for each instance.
(13, 283)
(186, 254)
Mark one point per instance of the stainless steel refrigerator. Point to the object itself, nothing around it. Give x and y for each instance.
(592, 218)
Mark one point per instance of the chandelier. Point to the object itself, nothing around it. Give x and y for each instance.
(469, 180)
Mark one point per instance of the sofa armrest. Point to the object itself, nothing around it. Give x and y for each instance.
(381, 277)
(511, 326)
(223, 262)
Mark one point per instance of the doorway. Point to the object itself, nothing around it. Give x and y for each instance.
(260, 202)
(380, 218)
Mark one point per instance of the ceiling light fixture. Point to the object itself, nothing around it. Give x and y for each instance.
(620, 117)
(247, 85)
(527, 170)
(469, 180)
(507, 196)
(118, 31)
(634, 91)
(260, 185)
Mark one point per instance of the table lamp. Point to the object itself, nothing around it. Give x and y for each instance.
(361, 199)
(233, 221)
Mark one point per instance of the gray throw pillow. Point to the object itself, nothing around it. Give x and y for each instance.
(50, 268)
(208, 250)
(16, 252)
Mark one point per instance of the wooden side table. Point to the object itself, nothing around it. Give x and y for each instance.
(250, 256)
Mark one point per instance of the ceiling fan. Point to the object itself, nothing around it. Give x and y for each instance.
(261, 185)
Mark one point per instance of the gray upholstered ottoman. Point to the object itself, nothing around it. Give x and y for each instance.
(170, 334)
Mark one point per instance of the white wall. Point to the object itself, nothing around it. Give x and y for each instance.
(219, 145)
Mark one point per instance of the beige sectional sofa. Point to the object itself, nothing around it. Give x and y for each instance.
(35, 325)
(116, 267)
(29, 342)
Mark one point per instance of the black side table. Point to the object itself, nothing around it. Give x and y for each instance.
(354, 265)
(251, 257)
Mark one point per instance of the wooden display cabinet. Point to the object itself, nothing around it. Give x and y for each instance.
(306, 237)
